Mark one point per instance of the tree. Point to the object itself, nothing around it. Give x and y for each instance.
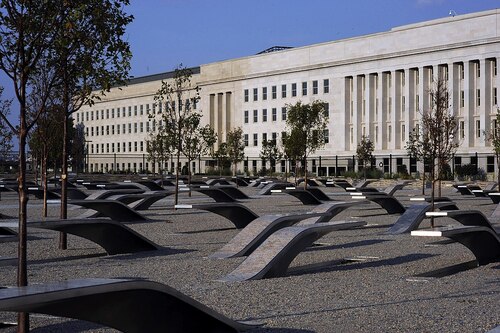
(220, 155)
(493, 136)
(197, 141)
(28, 31)
(271, 152)
(45, 142)
(235, 147)
(435, 141)
(91, 54)
(177, 98)
(158, 147)
(364, 152)
(306, 125)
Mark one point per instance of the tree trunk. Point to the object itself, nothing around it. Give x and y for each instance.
(44, 180)
(305, 173)
(63, 237)
(22, 268)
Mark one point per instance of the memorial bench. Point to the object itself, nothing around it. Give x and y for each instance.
(235, 212)
(131, 306)
(215, 193)
(115, 210)
(113, 237)
(415, 214)
(273, 256)
(482, 241)
(257, 231)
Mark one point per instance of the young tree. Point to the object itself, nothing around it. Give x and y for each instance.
(235, 147)
(271, 152)
(364, 151)
(90, 54)
(220, 155)
(177, 98)
(306, 125)
(435, 142)
(197, 141)
(493, 136)
(158, 148)
(28, 31)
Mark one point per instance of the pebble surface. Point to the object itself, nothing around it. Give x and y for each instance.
(381, 291)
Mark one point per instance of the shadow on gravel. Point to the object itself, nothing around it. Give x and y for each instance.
(164, 251)
(206, 230)
(68, 258)
(348, 245)
(350, 264)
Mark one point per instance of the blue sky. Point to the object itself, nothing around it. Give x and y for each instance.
(166, 33)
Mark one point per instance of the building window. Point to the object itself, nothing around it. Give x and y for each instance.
(141, 109)
(264, 93)
(255, 139)
(135, 110)
(283, 91)
(403, 132)
(326, 135)
(294, 89)
(326, 86)
(462, 98)
(389, 133)
(135, 145)
(142, 146)
(326, 107)
(130, 146)
(478, 128)
(264, 115)
(245, 139)
(478, 97)
(495, 98)
(273, 92)
(141, 128)
(304, 88)
(283, 113)
(490, 164)
(274, 135)
(264, 137)
(129, 128)
(274, 114)
(135, 127)
(255, 116)
(246, 95)
(255, 94)
(245, 116)
(315, 87)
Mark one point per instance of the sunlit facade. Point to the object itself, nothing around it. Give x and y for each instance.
(374, 85)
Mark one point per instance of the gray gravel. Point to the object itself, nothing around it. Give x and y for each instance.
(379, 294)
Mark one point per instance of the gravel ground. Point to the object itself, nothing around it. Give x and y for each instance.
(321, 293)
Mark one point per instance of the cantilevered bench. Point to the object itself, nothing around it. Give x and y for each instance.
(113, 237)
(482, 241)
(233, 191)
(305, 196)
(267, 190)
(235, 212)
(142, 201)
(257, 231)
(387, 202)
(104, 194)
(215, 193)
(414, 215)
(467, 189)
(272, 257)
(132, 306)
(115, 210)
(465, 217)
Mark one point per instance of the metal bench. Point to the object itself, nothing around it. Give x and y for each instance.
(215, 193)
(272, 257)
(233, 191)
(305, 196)
(414, 215)
(115, 210)
(113, 237)
(482, 241)
(132, 306)
(387, 202)
(267, 190)
(235, 212)
(104, 194)
(257, 231)
(465, 217)
(142, 201)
